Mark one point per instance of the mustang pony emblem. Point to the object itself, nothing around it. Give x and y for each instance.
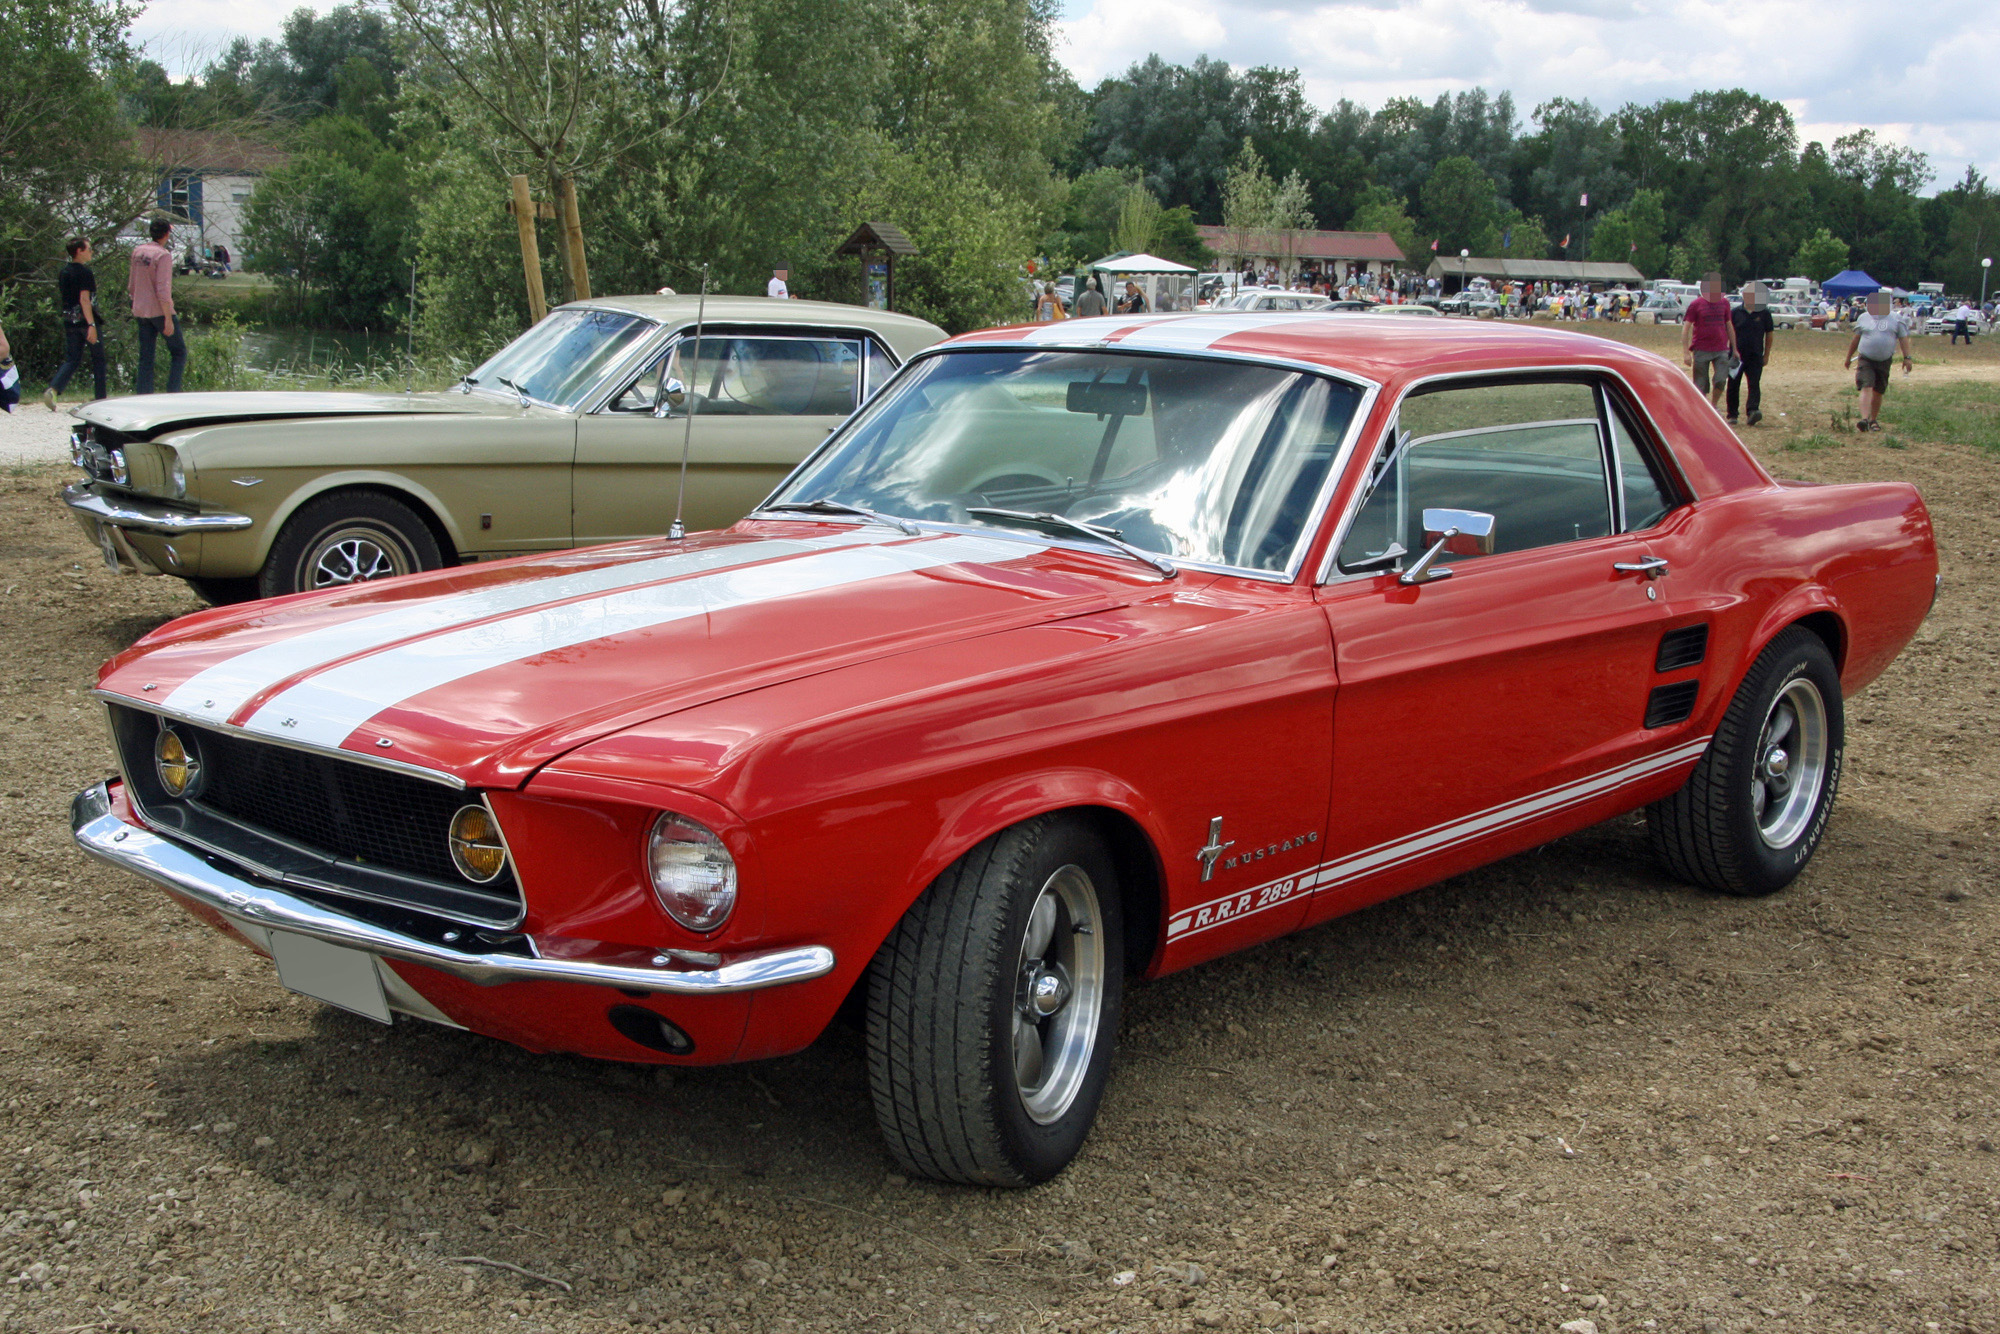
(1216, 847)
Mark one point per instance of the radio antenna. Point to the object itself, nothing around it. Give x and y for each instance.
(679, 530)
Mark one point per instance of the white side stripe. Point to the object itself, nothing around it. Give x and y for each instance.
(1271, 894)
(325, 709)
(214, 693)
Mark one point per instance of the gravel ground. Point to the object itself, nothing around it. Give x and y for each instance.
(1563, 1088)
(32, 434)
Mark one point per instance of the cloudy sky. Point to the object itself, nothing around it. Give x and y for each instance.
(1921, 72)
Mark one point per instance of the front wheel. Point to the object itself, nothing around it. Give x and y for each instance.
(1750, 817)
(993, 1008)
(348, 537)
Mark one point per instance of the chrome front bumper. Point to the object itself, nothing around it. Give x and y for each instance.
(131, 512)
(261, 907)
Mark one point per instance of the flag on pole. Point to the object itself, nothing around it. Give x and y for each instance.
(1565, 240)
(1507, 239)
(1583, 202)
(1434, 246)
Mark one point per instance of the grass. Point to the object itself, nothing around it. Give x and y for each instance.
(1965, 413)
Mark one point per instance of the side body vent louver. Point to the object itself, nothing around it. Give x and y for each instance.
(1670, 704)
(1680, 648)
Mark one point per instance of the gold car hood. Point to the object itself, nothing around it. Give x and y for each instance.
(149, 414)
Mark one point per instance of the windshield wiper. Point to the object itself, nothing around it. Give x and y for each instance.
(1109, 536)
(523, 394)
(825, 506)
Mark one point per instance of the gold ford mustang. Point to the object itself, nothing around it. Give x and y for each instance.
(569, 436)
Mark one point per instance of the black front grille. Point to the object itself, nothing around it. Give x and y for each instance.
(317, 821)
(353, 811)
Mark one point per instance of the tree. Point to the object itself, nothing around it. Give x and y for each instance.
(1459, 202)
(1820, 256)
(1574, 153)
(1381, 211)
(1631, 235)
(336, 225)
(1512, 236)
(1139, 221)
(1249, 199)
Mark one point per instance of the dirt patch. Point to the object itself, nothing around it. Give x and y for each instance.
(1561, 1088)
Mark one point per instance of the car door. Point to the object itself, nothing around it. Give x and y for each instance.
(755, 404)
(1477, 709)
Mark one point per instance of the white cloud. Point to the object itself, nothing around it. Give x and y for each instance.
(1918, 74)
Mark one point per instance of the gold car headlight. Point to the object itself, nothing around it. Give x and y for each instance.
(177, 763)
(693, 875)
(177, 484)
(476, 848)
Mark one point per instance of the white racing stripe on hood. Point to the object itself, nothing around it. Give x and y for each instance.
(214, 693)
(1197, 334)
(325, 709)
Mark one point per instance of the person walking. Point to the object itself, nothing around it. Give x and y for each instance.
(1090, 301)
(1048, 306)
(10, 376)
(1708, 338)
(1755, 333)
(1878, 336)
(152, 286)
(76, 295)
(1962, 321)
(777, 289)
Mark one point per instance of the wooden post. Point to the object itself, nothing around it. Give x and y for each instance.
(579, 272)
(531, 255)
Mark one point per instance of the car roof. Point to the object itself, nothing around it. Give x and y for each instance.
(1382, 352)
(724, 309)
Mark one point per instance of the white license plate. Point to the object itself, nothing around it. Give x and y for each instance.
(330, 973)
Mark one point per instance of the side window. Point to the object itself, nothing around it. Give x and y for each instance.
(1646, 498)
(880, 368)
(640, 395)
(771, 377)
(1529, 454)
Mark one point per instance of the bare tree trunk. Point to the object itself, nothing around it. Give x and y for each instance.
(566, 267)
(531, 254)
(572, 225)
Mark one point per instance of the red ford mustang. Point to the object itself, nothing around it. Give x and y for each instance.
(1084, 651)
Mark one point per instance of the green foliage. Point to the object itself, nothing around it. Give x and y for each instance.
(1139, 221)
(334, 227)
(1381, 211)
(1530, 240)
(1963, 413)
(1459, 203)
(1820, 256)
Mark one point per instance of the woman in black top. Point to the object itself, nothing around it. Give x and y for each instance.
(77, 288)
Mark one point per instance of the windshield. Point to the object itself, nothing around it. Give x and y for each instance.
(561, 359)
(1213, 461)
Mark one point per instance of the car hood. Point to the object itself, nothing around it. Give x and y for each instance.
(487, 672)
(149, 414)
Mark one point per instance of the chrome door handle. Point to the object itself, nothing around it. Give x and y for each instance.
(1653, 567)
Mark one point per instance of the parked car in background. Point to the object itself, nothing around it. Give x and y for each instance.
(569, 436)
(1416, 308)
(1662, 307)
(1272, 298)
(1086, 651)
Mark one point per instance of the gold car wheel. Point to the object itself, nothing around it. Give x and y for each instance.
(355, 555)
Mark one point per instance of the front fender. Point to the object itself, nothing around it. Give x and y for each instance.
(371, 479)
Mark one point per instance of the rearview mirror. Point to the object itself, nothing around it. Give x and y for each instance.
(1101, 399)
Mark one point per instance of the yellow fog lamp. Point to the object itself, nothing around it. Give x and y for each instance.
(476, 849)
(177, 764)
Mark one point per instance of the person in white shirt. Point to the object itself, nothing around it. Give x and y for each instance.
(1964, 323)
(776, 288)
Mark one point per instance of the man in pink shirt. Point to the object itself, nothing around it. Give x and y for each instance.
(152, 288)
(1708, 338)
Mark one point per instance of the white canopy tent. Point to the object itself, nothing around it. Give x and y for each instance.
(1167, 285)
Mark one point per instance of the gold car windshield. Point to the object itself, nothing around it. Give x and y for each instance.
(1219, 462)
(561, 359)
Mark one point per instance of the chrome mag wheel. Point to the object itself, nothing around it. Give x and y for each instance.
(1789, 766)
(1059, 995)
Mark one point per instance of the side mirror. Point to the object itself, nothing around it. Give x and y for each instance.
(672, 395)
(1454, 533)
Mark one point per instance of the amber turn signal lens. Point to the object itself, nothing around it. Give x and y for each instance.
(177, 765)
(476, 849)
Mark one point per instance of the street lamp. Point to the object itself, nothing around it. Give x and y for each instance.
(1461, 270)
(1985, 267)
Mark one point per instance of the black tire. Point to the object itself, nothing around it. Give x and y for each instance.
(947, 987)
(1717, 831)
(224, 592)
(363, 535)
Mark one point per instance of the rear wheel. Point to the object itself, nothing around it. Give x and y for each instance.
(993, 1008)
(1750, 817)
(349, 537)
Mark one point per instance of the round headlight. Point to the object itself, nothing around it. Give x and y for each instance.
(177, 763)
(177, 482)
(476, 849)
(694, 876)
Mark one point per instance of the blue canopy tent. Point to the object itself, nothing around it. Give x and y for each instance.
(1849, 283)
